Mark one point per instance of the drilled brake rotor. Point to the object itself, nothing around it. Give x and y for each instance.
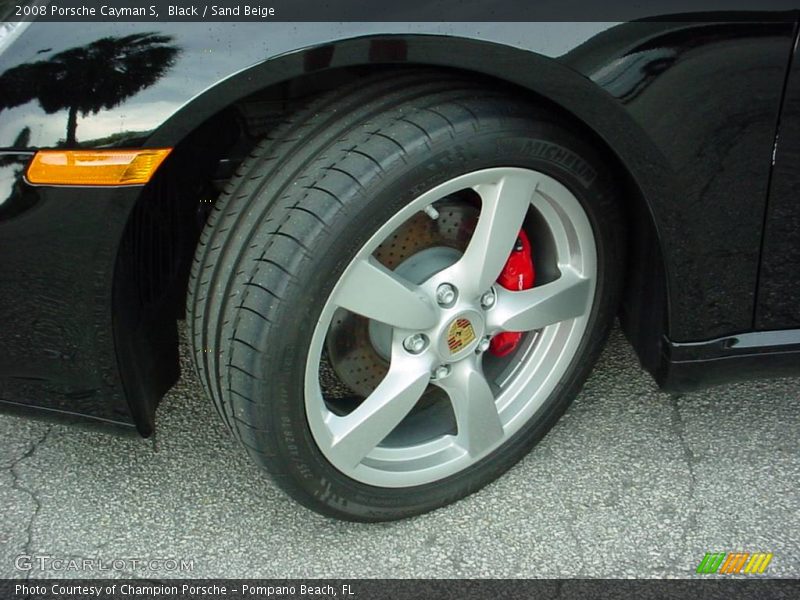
(356, 363)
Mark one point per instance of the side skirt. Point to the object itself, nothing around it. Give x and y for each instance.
(742, 357)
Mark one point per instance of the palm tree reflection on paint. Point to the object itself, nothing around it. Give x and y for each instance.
(89, 78)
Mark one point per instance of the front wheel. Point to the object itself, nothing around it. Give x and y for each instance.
(412, 292)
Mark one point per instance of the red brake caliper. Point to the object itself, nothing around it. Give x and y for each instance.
(518, 274)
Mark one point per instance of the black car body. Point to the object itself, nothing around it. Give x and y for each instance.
(700, 114)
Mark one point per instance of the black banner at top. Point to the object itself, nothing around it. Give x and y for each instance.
(377, 10)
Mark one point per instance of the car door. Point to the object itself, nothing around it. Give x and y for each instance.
(778, 306)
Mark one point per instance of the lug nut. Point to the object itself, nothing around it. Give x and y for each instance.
(441, 372)
(488, 299)
(416, 343)
(484, 344)
(446, 295)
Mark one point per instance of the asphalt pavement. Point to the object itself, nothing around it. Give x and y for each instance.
(632, 482)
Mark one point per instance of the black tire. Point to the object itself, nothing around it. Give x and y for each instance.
(298, 210)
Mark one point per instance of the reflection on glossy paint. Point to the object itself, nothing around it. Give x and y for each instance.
(89, 78)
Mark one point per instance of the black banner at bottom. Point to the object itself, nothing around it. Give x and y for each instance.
(395, 589)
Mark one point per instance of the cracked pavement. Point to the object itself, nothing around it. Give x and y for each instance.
(632, 482)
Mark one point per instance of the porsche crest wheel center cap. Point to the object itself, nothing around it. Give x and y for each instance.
(460, 335)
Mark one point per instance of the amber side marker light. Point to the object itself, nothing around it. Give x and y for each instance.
(95, 167)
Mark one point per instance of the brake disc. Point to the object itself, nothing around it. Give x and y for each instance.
(357, 349)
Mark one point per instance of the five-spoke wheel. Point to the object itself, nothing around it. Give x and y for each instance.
(439, 329)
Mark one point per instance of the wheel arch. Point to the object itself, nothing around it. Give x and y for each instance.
(636, 161)
(547, 78)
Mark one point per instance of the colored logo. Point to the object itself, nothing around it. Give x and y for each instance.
(734, 563)
(459, 335)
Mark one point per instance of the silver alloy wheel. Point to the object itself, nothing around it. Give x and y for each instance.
(487, 413)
